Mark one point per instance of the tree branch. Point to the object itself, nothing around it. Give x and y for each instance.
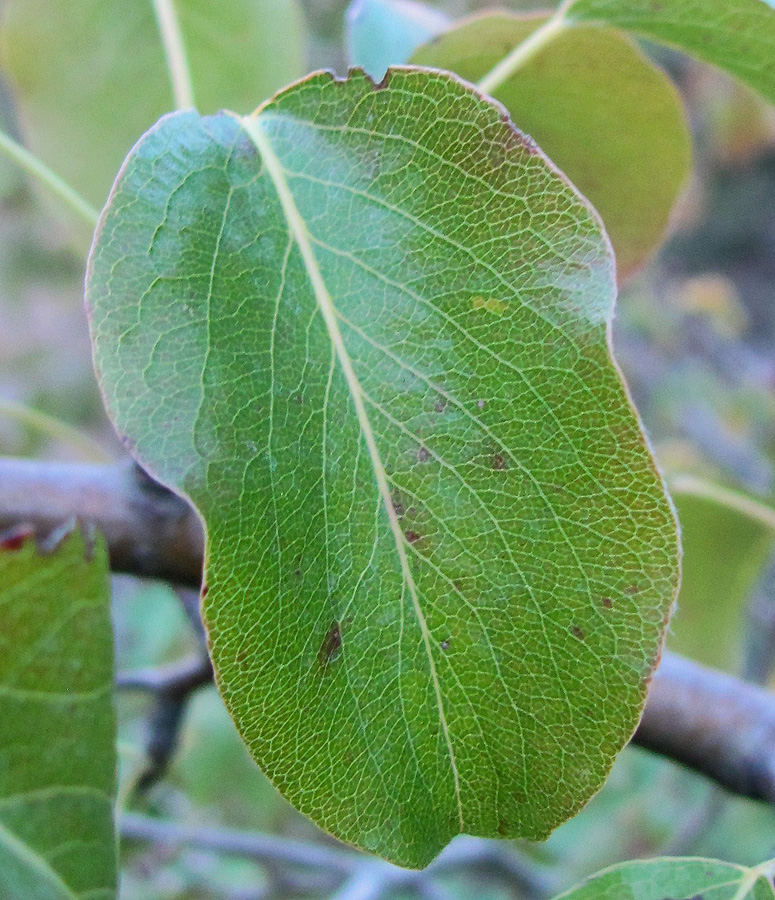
(713, 723)
(149, 530)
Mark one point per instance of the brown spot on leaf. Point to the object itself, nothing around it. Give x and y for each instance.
(332, 642)
(440, 405)
(632, 590)
(422, 454)
(607, 602)
(498, 462)
(205, 589)
(503, 828)
(578, 633)
(412, 537)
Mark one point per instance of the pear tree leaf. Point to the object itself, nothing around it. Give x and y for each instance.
(735, 35)
(724, 553)
(57, 725)
(605, 114)
(382, 33)
(682, 878)
(90, 76)
(366, 331)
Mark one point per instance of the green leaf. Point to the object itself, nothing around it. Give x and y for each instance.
(365, 331)
(382, 33)
(689, 878)
(90, 75)
(57, 728)
(724, 552)
(609, 118)
(735, 35)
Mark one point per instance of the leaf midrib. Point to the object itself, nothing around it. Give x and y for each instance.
(300, 234)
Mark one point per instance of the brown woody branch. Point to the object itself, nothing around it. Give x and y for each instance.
(711, 722)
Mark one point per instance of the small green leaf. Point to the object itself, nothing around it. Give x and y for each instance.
(366, 332)
(724, 552)
(90, 76)
(735, 35)
(382, 33)
(57, 726)
(598, 107)
(675, 877)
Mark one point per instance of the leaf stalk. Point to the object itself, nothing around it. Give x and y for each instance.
(707, 490)
(40, 171)
(524, 52)
(175, 53)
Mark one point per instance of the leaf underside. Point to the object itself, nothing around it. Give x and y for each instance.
(365, 331)
(57, 724)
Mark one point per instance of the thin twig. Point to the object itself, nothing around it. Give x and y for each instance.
(254, 845)
(41, 172)
(174, 53)
(714, 723)
(362, 877)
(173, 687)
(176, 680)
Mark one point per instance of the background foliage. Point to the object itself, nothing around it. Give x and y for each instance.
(694, 335)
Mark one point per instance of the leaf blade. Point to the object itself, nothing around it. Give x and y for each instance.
(653, 879)
(737, 36)
(56, 797)
(594, 103)
(313, 628)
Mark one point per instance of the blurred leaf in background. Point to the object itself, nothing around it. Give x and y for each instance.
(90, 77)
(382, 33)
(57, 727)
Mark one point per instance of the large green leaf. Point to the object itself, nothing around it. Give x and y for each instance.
(382, 33)
(366, 332)
(598, 107)
(736, 35)
(57, 724)
(724, 553)
(90, 75)
(685, 878)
